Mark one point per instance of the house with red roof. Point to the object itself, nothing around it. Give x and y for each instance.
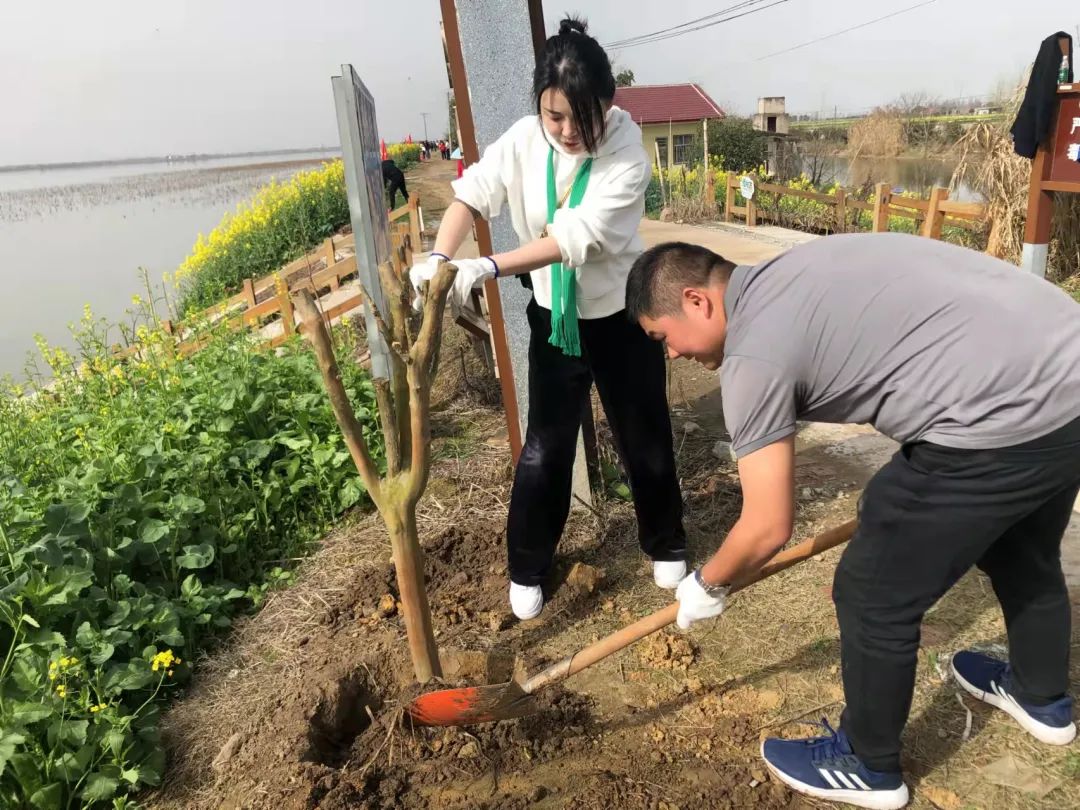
(670, 117)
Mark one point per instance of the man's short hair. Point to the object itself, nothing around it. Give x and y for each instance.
(660, 274)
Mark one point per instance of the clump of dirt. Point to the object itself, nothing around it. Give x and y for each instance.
(668, 651)
(585, 578)
(465, 570)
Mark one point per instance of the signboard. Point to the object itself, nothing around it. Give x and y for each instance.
(1065, 160)
(746, 187)
(367, 199)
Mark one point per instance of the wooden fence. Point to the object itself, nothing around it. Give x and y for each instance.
(267, 299)
(929, 214)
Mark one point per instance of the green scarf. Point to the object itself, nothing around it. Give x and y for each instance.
(564, 321)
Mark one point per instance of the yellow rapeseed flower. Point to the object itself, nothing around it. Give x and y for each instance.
(163, 660)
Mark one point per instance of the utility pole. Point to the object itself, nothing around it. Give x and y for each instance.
(424, 116)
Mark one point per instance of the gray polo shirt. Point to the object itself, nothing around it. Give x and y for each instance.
(921, 339)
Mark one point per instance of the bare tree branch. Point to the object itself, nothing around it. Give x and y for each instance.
(351, 429)
(421, 353)
(400, 309)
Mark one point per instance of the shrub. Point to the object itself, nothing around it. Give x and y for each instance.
(404, 155)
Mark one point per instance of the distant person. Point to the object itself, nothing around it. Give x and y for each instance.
(575, 188)
(394, 181)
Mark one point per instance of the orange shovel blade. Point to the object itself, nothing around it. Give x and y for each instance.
(471, 704)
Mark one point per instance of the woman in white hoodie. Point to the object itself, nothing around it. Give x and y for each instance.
(574, 179)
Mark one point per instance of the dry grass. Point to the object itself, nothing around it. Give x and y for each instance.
(880, 134)
(989, 165)
(694, 208)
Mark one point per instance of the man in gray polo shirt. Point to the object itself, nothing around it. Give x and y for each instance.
(974, 367)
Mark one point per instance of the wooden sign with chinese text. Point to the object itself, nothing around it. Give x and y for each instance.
(1065, 154)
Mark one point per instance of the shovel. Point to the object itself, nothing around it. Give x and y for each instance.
(505, 701)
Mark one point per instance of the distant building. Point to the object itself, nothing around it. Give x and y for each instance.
(671, 116)
(771, 115)
(772, 119)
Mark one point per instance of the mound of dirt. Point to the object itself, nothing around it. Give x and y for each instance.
(667, 651)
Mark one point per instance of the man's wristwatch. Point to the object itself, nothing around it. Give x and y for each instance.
(715, 591)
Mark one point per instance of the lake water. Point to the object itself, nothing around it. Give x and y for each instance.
(907, 174)
(78, 235)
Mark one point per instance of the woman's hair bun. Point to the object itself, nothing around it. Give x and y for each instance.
(572, 25)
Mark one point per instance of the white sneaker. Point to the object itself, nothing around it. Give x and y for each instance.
(526, 600)
(668, 574)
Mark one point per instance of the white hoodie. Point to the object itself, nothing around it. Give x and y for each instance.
(599, 237)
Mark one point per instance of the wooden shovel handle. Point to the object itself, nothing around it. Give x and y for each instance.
(665, 616)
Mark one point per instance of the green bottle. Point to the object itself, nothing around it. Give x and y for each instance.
(1063, 73)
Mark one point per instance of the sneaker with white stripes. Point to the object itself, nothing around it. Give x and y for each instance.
(827, 768)
(990, 681)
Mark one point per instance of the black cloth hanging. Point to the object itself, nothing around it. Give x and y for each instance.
(1036, 113)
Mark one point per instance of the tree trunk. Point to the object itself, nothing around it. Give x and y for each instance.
(400, 520)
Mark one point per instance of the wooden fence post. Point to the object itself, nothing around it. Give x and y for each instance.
(249, 292)
(729, 199)
(882, 200)
(751, 213)
(934, 218)
(414, 217)
(329, 257)
(285, 304)
(841, 211)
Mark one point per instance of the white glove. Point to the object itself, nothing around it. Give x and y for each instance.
(470, 273)
(423, 272)
(695, 604)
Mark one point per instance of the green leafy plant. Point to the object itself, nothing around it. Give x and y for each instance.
(142, 505)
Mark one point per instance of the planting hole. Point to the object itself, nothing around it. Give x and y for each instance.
(339, 719)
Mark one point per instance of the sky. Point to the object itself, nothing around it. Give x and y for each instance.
(123, 78)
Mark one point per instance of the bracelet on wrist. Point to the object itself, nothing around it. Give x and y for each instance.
(710, 590)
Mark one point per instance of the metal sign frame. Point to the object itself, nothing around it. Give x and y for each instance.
(359, 134)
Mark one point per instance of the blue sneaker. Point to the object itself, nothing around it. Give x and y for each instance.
(827, 768)
(989, 680)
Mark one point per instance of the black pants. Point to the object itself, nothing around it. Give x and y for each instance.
(928, 516)
(628, 369)
(392, 189)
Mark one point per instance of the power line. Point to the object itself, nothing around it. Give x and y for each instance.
(648, 39)
(845, 31)
(721, 12)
